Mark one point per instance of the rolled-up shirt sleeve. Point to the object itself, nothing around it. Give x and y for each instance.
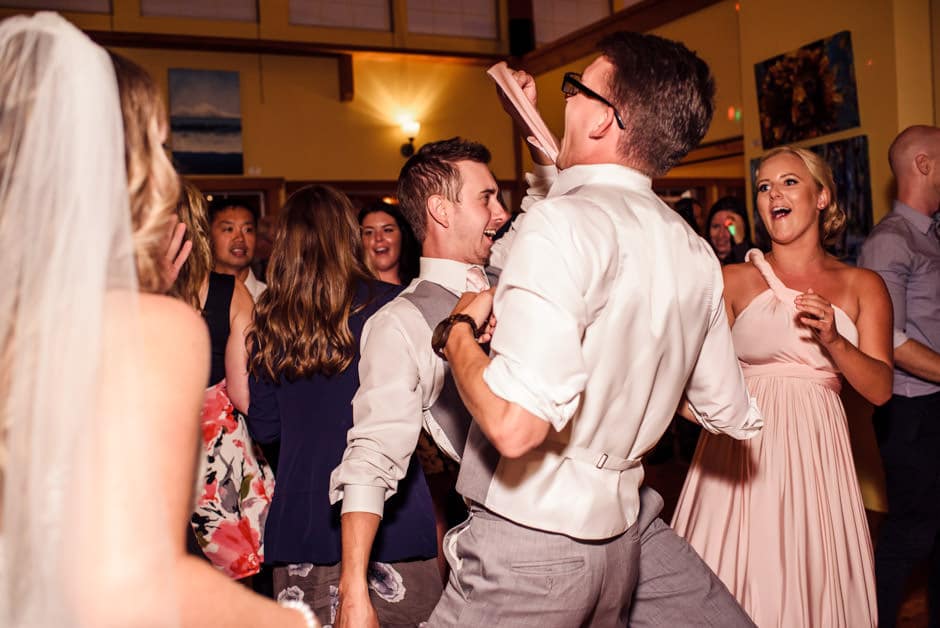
(889, 255)
(542, 310)
(716, 392)
(387, 419)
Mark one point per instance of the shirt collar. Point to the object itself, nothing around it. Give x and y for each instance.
(445, 272)
(920, 221)
(251, 280)
(607, 174)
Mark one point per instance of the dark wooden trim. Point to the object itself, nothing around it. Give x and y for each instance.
(691, 182)
(346, 80)
(125, 39)
(703, 160)
(375, 187)
(378, 187)
(641, 17)
(709, 189)
(715, 150)
(737, 142)
(272, 187)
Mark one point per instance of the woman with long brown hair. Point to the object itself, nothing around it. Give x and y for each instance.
(304, 374)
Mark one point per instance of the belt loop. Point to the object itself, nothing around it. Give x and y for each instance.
(601, 461)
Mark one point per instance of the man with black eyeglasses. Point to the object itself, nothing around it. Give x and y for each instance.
(609, 311)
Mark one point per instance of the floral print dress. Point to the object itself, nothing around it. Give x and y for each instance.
(234, 489)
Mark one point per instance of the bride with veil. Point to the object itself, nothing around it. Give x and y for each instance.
(101, 379)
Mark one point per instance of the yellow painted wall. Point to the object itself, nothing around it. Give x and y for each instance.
(769, 29)
(294, 125)
(712, 33)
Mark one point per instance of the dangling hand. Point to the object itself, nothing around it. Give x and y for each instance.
(819, 315)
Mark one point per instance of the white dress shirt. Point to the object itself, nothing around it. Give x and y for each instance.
(255, 286)
(400, 377)
(609, 308)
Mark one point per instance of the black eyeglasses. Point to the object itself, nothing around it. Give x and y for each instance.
(571, 85)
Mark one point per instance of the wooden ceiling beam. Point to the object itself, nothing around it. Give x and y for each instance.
(641, 17)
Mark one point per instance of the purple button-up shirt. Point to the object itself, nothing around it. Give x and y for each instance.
(905, 251)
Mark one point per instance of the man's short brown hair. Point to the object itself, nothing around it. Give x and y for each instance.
(665, 94)
(433, 170)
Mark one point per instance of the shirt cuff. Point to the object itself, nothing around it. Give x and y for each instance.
(899, 338)
(749, 428)
(363, 498)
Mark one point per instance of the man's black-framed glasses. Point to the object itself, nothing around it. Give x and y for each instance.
(571, 85)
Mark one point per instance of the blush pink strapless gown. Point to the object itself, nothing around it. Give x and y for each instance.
(779, 517)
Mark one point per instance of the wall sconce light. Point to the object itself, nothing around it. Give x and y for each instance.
(410, 128)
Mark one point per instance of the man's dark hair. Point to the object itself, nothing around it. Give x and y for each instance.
(219, 204)
(433, 170)
(665, 94)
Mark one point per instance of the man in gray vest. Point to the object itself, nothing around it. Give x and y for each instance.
(608, 310)
(449, 197)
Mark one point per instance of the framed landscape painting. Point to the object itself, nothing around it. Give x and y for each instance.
(205, 121)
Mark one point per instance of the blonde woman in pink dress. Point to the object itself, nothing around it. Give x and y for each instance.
(779, 517)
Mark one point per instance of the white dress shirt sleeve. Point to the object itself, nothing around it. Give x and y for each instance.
(540, 182)
(546, 297)
(717, 395)
(387, 418)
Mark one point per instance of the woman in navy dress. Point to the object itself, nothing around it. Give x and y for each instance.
(304, 373)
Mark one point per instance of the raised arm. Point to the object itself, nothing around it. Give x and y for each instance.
(527, 84)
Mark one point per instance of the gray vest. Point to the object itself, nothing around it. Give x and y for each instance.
(435, 304)
(478, 456)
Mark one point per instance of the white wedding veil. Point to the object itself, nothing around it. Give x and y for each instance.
(83, 532)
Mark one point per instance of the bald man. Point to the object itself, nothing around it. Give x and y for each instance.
(905, 250)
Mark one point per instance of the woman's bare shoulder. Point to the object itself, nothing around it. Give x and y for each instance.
(859, 281)
(742, 279)
(174, 335)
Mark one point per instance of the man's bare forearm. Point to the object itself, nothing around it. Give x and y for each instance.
(919, 360)
(358, 534)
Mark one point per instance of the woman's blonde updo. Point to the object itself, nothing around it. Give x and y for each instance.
(832, 218)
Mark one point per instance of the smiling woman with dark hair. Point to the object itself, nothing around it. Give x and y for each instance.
(729, 229)
(389, 246)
